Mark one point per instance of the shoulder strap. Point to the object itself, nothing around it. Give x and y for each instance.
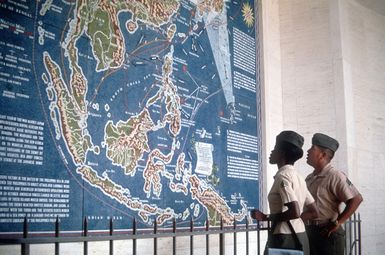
(298, 243)
(296, 239)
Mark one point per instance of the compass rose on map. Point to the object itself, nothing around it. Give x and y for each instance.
(247, 14)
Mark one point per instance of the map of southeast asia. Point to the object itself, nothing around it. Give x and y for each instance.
(145, 110)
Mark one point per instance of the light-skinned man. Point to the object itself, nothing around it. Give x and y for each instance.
(330, 188)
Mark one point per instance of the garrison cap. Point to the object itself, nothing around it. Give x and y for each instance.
(325, 141)
(290, 137)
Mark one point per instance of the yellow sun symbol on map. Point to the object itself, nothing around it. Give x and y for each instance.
(248, 15)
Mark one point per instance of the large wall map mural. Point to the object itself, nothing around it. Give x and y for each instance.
(116, 109)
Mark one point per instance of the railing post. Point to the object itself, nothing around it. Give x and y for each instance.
(247, 235)
(359, 234)
(111, 233)
(57, 233)
(259, 237)
(349, 240)
(191, 237)
(155, 239)
(174, 237)
(207, 237)
(134, 239)
(235, 237)
(25, 246)
(355, 233)
(85, 233)
(221, 240)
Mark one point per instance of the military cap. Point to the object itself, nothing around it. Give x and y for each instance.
(290, 137)
(325, 141)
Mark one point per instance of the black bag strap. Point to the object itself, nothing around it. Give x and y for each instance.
(296, 239)
(294, 234)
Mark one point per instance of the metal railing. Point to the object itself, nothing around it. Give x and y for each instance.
(353, 237)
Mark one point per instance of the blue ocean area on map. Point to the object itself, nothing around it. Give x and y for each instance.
(136, 109)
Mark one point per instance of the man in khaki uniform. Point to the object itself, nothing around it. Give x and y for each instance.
(329, 188)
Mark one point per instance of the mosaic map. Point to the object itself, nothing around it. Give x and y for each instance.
(128, 109)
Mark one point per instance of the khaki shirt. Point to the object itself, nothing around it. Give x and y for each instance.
(330, 188)
(288, 186)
